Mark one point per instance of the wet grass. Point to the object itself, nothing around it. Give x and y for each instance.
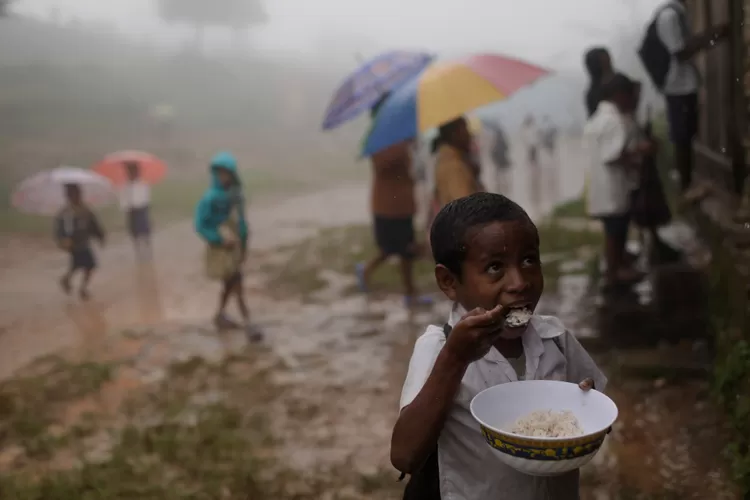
(339, 250)
(571, 208)
(31, 404)
(202, 433)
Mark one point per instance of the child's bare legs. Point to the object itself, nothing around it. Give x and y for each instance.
(221, 320)
(612, 257)
(84, 290)
(407, 275)
(239, 294)
(65, 281)
(253, 333)
(364, 271)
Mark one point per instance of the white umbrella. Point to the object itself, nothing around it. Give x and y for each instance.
(44, 193)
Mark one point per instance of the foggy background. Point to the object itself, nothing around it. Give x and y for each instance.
(79, 78)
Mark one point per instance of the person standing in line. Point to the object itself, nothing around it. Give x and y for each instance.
(677, 77)
(75, 226)
(394, 207)
(135, 201)
(616, 154)
(456, 170)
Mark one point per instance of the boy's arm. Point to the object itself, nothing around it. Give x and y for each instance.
(669, 26)
(436, 380)
(202, 227)
(59, 233)
(96, 228)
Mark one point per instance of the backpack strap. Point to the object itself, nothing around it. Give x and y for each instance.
(559, 344)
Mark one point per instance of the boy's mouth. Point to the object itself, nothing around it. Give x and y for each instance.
(518, 317)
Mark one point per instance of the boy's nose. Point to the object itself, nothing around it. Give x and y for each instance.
(516, 281)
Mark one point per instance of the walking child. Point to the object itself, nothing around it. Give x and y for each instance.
(220, 221)
(486, 251)
(75, 226)
(135, 198)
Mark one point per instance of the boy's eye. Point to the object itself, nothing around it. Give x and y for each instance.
(495, 268)
(531, 260)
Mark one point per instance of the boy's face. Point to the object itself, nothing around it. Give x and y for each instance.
(226, 178)
(132, 171)
(73, 194)
(502, 267)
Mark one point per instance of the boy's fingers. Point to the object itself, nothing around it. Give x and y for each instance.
(586, 384)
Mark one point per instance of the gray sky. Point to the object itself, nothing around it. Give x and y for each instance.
(548, 32)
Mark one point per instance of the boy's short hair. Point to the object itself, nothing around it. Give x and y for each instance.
(617, 84)
(457, 218)
(72, 189)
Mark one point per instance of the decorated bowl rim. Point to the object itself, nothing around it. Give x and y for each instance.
(537, 438)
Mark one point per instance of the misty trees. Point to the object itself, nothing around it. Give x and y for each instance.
(237, 15)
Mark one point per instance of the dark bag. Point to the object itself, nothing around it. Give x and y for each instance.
(424, 484)
(650, 205)
(654, 55)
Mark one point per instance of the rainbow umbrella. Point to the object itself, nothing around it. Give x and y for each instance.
(445, 91)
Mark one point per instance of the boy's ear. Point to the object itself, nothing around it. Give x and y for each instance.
(446, 281)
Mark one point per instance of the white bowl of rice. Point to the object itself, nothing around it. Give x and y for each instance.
(543, 427)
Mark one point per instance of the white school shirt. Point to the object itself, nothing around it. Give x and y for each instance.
(469, 470)
(134, 195)
(682, 77)
(605, 137)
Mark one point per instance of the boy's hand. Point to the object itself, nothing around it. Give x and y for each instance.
(586, 384)
(66, 243)
(474, 334)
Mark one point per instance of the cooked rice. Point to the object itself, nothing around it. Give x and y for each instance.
(518, 317)
(548, 424)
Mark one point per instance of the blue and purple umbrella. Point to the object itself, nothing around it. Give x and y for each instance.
(368, 84)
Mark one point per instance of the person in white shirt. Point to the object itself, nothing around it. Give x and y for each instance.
(614, 151)
(486, 250)
(135, 200)
(682, 80)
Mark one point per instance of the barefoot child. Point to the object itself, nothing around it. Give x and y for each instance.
(486, 251)
(75, 226)
(220, 221)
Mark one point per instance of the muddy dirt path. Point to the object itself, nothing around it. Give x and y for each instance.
(327, 381)
(37, 319)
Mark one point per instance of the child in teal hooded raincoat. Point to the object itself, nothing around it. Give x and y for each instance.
(220, 221)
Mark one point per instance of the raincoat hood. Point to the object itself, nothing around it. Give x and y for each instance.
(225, 161)
(218, 202)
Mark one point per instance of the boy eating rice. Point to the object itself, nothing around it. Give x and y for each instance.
(486, 250)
